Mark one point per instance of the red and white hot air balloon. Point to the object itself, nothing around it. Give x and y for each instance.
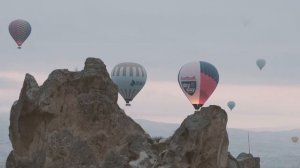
(198, 80)
(19, 31)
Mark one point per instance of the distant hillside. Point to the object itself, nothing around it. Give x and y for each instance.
(157, 129)
(275, 148)
(5, 146)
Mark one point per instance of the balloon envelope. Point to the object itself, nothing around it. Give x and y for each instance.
(231, 104)
(19, 31)
(261, 63)
(130, 78)
(198, 80)
(295, 139)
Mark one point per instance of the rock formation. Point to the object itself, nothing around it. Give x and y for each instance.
(232, 162)
(248, 161)
(200, 141)
(73, 121)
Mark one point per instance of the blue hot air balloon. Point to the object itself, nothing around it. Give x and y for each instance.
(261, 63)
(231, 104)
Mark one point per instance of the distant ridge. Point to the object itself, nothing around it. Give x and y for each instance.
(157, 129)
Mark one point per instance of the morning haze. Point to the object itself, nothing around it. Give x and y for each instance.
(162, 36)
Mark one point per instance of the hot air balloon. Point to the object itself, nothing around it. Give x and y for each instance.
(295, 139)
(19, 31)
(198, 80)
(231, 104)
(261, 63)
(130, 78)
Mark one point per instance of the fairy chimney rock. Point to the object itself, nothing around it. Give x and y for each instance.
(73, 121)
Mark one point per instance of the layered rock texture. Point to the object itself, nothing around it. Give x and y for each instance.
(73, 121)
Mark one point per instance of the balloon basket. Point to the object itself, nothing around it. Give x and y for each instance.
(19, 47)
(127, 104)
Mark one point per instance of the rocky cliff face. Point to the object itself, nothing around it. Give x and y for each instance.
(200, 141)
(73, 121)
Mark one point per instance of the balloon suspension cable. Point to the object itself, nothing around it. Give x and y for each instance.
(249, 143)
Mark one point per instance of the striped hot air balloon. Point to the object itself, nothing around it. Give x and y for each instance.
(19, 31)
(130, 78)
(198, 80)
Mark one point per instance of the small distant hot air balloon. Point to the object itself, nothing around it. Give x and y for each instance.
(130, 78)
(246, 21)
(295, 139)
(19, 31)
(261, 63)
(231, 104)
(198, 80)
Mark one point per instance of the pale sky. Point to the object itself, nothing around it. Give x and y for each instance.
(162, 35)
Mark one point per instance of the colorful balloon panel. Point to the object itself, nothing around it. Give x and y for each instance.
(198, 80)
(19, 31)
(130, 79)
